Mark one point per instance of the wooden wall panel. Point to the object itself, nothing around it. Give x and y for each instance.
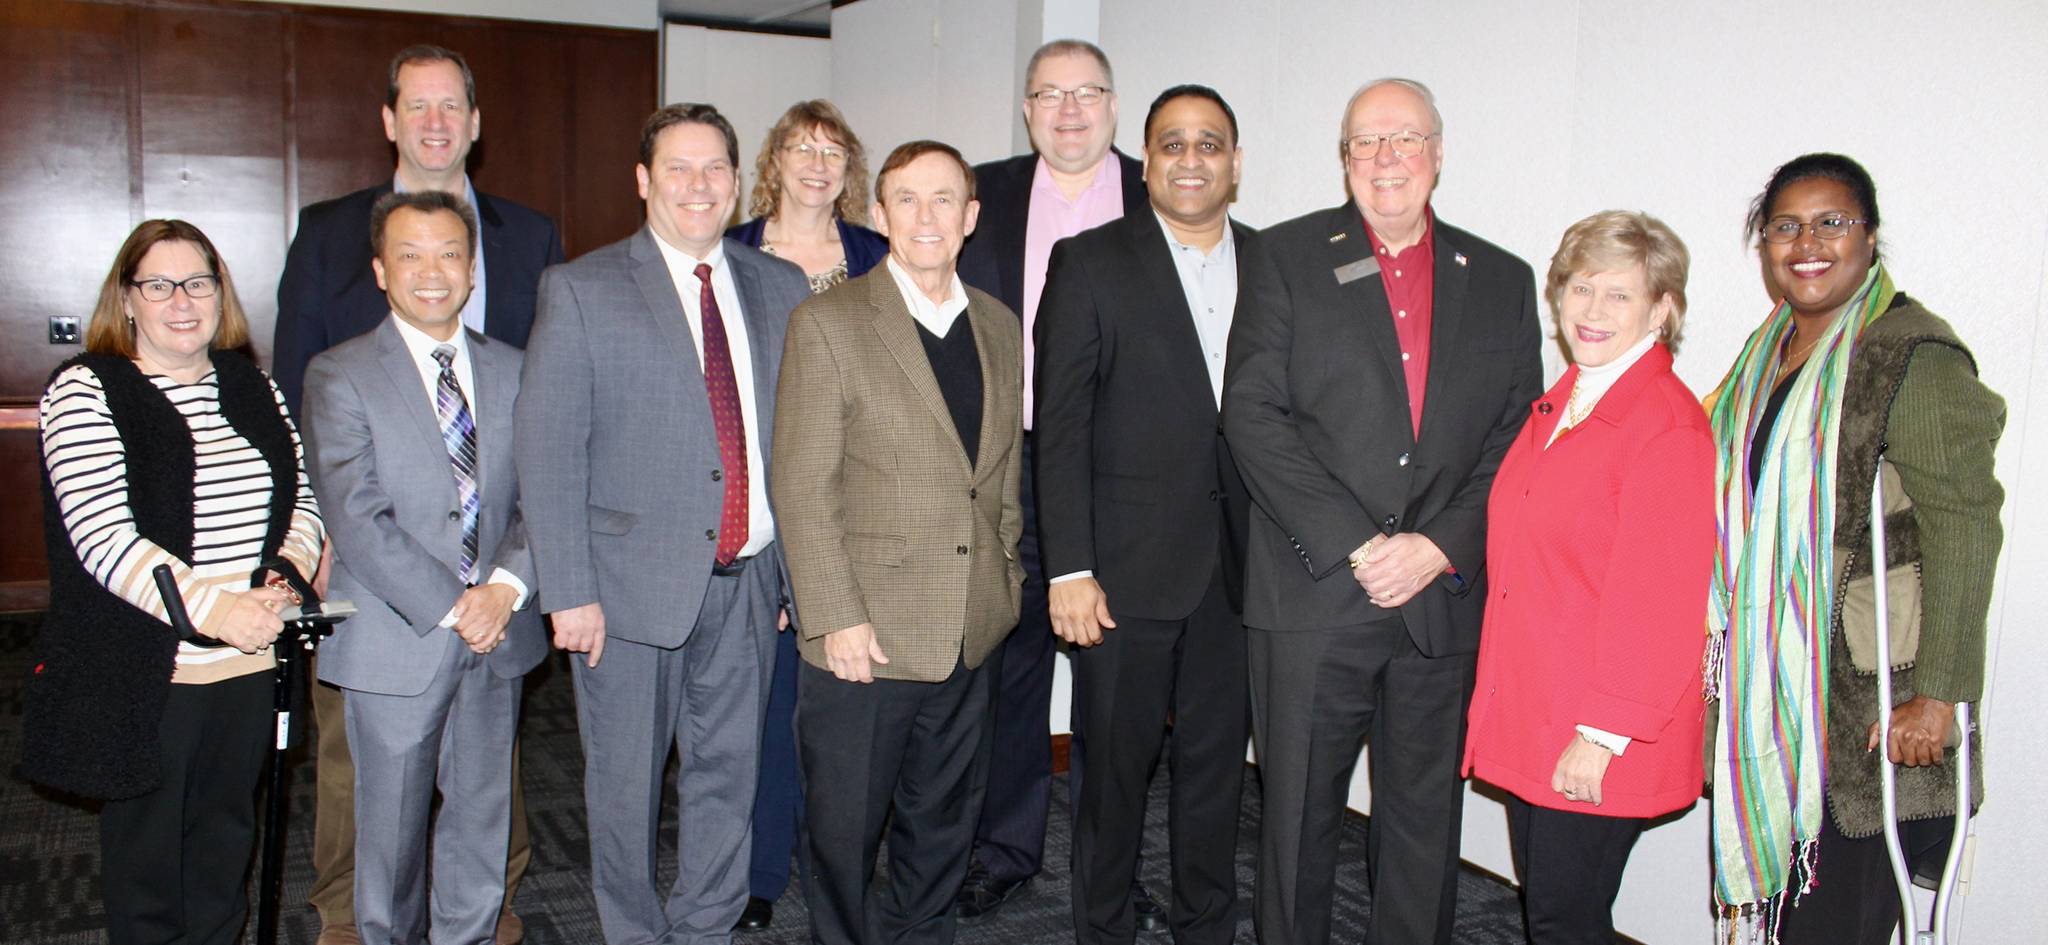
(211, 103)
(65, 162)
(234, 115)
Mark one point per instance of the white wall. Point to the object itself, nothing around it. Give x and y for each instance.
(908, 69)
(630, 14)
(752, 77)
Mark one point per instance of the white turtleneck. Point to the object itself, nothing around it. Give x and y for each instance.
(1593, 382)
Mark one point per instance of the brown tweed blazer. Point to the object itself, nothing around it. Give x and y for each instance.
(880, 517)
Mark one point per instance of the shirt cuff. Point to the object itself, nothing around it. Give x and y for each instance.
(1070, 577)
(498, 576)
(1605, 739)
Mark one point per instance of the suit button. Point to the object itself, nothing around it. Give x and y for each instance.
(717, 474)
(455, 515)
(1392, 521)
(1403, 460)
(962, 549)
(711, 534)
(1213, 495)
(973, 494)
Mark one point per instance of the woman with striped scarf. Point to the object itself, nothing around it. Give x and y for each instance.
(1846, 376)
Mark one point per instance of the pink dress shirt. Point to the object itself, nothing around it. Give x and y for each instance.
(1051, 218)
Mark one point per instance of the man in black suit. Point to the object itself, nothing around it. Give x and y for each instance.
(1380, 363)
(1072, 181)
(1142, 522)
(329, 294)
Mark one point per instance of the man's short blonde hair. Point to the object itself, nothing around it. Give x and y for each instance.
(1621, 239)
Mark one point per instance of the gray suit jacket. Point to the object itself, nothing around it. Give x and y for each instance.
(377, 461)
(618, 458)
(882, 519)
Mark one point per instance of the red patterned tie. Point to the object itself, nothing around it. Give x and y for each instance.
(723, 390)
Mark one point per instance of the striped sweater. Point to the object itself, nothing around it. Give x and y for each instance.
(89, 474)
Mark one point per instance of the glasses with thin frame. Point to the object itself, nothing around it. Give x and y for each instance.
(201, 286)
(1406, 144)
(1084, 96)
(1830, 226)
(803, 150)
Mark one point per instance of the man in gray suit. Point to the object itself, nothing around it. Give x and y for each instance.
(650, 393)
(408, 434)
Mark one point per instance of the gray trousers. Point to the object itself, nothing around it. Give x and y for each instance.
(455, 737)
(1317, 696)
(704, 699)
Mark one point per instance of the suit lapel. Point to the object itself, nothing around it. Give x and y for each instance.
(658, 290)
(764, 362)
(1446, 320)
(492, 407)
(1366, 294)
(413, 399)
(898, 331)
(1153, 257)
(993, 434)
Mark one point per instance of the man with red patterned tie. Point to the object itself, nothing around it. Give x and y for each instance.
(649, 395)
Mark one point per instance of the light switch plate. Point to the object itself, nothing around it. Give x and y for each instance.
(63, 329)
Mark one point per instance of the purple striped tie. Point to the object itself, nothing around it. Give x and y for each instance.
(458, 433)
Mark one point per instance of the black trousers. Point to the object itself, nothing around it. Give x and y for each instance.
(908, 757)
(174, 863)
(1855, 902)
(1124, 689)
(1317, 695)
(1010, 838)
(1570, 864)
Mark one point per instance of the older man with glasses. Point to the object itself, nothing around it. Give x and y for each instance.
(1365, 573)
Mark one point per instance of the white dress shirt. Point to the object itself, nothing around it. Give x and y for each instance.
(682, 270)
(421, 346)
(936, 317)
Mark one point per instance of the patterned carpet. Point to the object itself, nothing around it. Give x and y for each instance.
(49, 859)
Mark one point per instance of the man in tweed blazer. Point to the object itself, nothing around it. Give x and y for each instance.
(898, 445)
(646, 410)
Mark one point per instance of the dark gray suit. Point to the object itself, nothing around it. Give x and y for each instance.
(620, 467)
(418, 699)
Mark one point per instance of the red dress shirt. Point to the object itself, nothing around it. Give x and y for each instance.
(1599, 550)
(1410, 280)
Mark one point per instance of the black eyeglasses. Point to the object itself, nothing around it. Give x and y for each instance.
(1831, 226)
(201, 286)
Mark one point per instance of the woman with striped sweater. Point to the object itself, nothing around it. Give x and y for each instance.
(162, 445)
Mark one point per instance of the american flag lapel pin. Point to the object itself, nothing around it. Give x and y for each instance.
(1458, 258)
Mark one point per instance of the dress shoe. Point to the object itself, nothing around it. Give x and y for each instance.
(1150, 917)
(759, 914)
(983, 895)
(338, 935)
(511, 931)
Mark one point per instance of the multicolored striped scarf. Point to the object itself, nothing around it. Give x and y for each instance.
(1769, 614)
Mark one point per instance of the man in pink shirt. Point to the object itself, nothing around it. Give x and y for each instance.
(1072, 181)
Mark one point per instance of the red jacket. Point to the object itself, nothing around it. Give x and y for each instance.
(1598, 555)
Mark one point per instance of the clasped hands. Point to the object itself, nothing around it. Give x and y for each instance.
(1394, 568)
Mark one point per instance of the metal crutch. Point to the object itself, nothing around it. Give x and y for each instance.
(305, 625)
(1945, 891)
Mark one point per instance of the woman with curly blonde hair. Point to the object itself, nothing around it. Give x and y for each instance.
(810, 197)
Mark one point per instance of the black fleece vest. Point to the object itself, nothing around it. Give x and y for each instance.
(103, 666)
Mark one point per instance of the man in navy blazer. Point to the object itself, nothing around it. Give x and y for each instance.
(1071, 181)
(408, 431)
(327, 296)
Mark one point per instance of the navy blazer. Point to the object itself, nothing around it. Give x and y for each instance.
(865, 249)
(993, 259)
(328, 293)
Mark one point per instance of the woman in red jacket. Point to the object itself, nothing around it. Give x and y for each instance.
(1599, 545)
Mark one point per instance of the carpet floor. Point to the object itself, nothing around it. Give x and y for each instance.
(49, 849)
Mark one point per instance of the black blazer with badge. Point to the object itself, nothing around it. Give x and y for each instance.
(1316, 412)
(1135, 482)
(993, 259)
(328, 294)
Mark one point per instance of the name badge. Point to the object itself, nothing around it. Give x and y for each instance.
(1352, 272)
